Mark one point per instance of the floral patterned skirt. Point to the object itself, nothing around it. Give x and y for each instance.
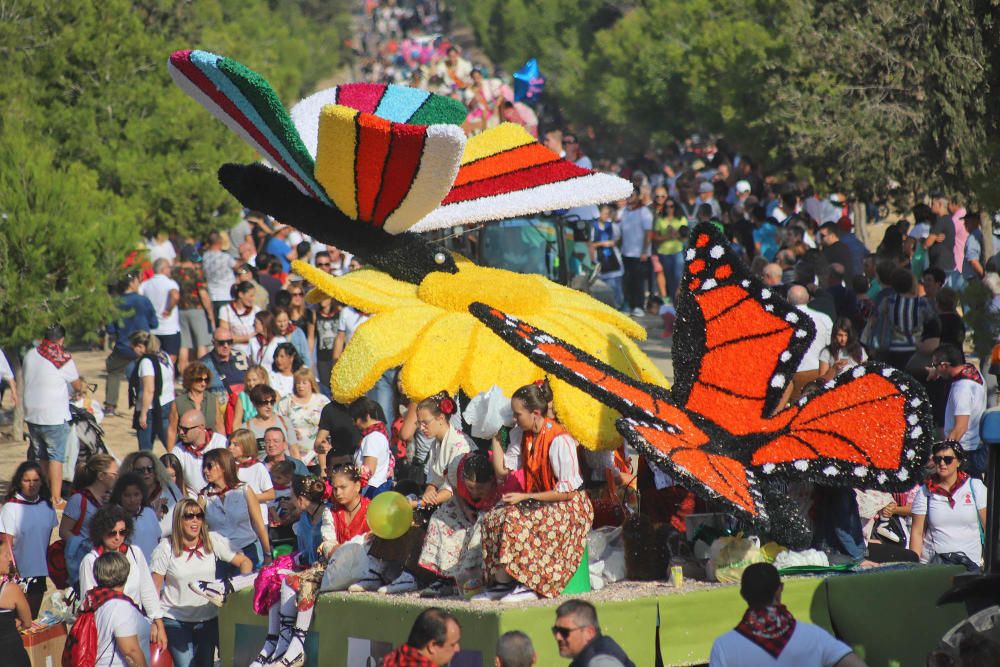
(539, 544)
(452, 546)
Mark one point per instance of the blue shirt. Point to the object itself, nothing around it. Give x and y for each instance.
(309, 536)
(140, 316)
(767, 236)
(279, 249)
(973, 251)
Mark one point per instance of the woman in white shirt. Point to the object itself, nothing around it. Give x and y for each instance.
(123, 632)
(265, 341)
(239, 315)
(151, 390)
(190, 554)
(285, 365)
(26, 523)
(949, 510)
(111, 529)
(232, 510)
(373, 458)
(253, 473)
(130, 494)
(844, 351)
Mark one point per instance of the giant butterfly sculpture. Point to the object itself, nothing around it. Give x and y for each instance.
(720, 429)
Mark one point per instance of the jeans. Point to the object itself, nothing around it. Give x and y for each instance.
(117, 368)
(192, 644)
(47, 442)
(323, 371)
(977, 461)
(384, 393)
(635, 281)
(839, 525)
(673, 271)
(147, 435)
(617, 292)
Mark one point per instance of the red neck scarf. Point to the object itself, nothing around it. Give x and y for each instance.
(282, 487)
(463, 491)
(18, 499)
(236, 309)
(198, 451)
(99, 595)
(213, 492)
(969, 372)
(770, 628)
(54, 353)
(934, 488)
(123, 549)
(357, 526)
(248, 462)
(194, 551)
(407, 656)
(377, 427)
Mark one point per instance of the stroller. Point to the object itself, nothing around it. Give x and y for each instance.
(86, 438)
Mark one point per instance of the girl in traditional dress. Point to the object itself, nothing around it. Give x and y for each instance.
(534, 541)
(452, 549)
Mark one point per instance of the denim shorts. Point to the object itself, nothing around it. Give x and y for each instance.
(47, 442)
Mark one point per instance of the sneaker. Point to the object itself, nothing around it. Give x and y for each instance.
(495, 592)
(638, 312)
(371, 582)
(440, 589)
(213, 591)
(404, 583)
(520, 594)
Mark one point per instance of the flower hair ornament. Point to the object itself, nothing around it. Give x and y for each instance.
(446, 404)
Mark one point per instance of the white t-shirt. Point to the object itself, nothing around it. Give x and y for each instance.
(179, 601)
(239, 325)
(562, 458)
(158, 250)
(947, 528)
(284, 385)
(228, 515)
(377, 445)
(118, 618)
(31, 525)
(350, 320)
(827, 358)
(966, 397)
(257, 478)
(824, 328)
(218, 268)
(167, 374)
(146, 532)
(263, 355)
(635, 223)
(46, 389)
(192, 463)
(157, 289)
(139, 585)
(810, 646)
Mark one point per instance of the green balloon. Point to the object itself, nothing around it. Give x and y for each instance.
(390, 515)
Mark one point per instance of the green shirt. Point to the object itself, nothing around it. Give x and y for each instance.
(662, 226)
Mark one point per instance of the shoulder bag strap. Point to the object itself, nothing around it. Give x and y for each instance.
(78, 528)
(975, 504)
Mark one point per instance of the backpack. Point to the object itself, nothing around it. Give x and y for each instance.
(81, 640)
(55, 555)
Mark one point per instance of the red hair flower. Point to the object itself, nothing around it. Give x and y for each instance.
(447, 406)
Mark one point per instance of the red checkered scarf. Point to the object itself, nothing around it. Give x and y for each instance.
(406, 656)
(970, 372)
(934, 488)
(54, 353)
(769, 628)
(98, 596)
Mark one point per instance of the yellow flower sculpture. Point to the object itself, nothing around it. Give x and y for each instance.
(428, 331)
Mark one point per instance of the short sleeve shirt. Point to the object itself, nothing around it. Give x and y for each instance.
(118, 618)
(46, 389)
(31, 525)
(218, 274)
(810, 646)
(951, 529)
(375, 445)
(966, 397)
(635, 223)
(344, 435)
(177, 600)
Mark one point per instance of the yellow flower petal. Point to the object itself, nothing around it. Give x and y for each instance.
(510, 292)
(381, 343)
(491, 363)
(571, 299)
(367, 290)
(620, 351)
(439, 356)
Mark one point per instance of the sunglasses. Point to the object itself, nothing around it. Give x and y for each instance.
(185, 429)
(193, 515)
(201, 379)
(569, 141)
(228, 341)
(298, 294)
(269, 401)
(563, 633)
(145, 470)
(325, 265)
(118, 533)
(947, 460)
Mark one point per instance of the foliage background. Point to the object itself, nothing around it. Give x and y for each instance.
(98, 147)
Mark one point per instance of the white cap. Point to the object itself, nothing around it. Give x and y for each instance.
(743, 186)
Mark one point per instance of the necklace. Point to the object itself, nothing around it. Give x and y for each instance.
(356, 506)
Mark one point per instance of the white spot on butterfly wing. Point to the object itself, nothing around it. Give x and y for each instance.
(786, 355)
(882, 477)
(858, 371)
(802, 465)
(830, 471)
(911, 454)
(916, 432)
(801, 333)
(912, 419)
(887, 372)
(689, 255)
(765, 294)
(792, 317)
(708, 284)
(716, 251)
(903, 474)
(769, 308)
(916, 402)
(745, 283)
(860, 471)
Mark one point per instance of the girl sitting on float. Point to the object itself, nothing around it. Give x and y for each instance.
(533, 542)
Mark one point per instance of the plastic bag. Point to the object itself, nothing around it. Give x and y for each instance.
(730, 555)
(348, 565)
(487, 412)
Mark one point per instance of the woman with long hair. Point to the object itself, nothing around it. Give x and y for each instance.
(232, 509)
(265, 340)
(190, 553)
(175, 473)
(91, 487)
(26, 522)
(290, 330)
(668, 241)
(151, 391)
(552, 515)
(286, 363)
(195, 396)
(130, 494)
(239, 315)
(111, 530)
(302, 408)
(844, 351)
(253, 473)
